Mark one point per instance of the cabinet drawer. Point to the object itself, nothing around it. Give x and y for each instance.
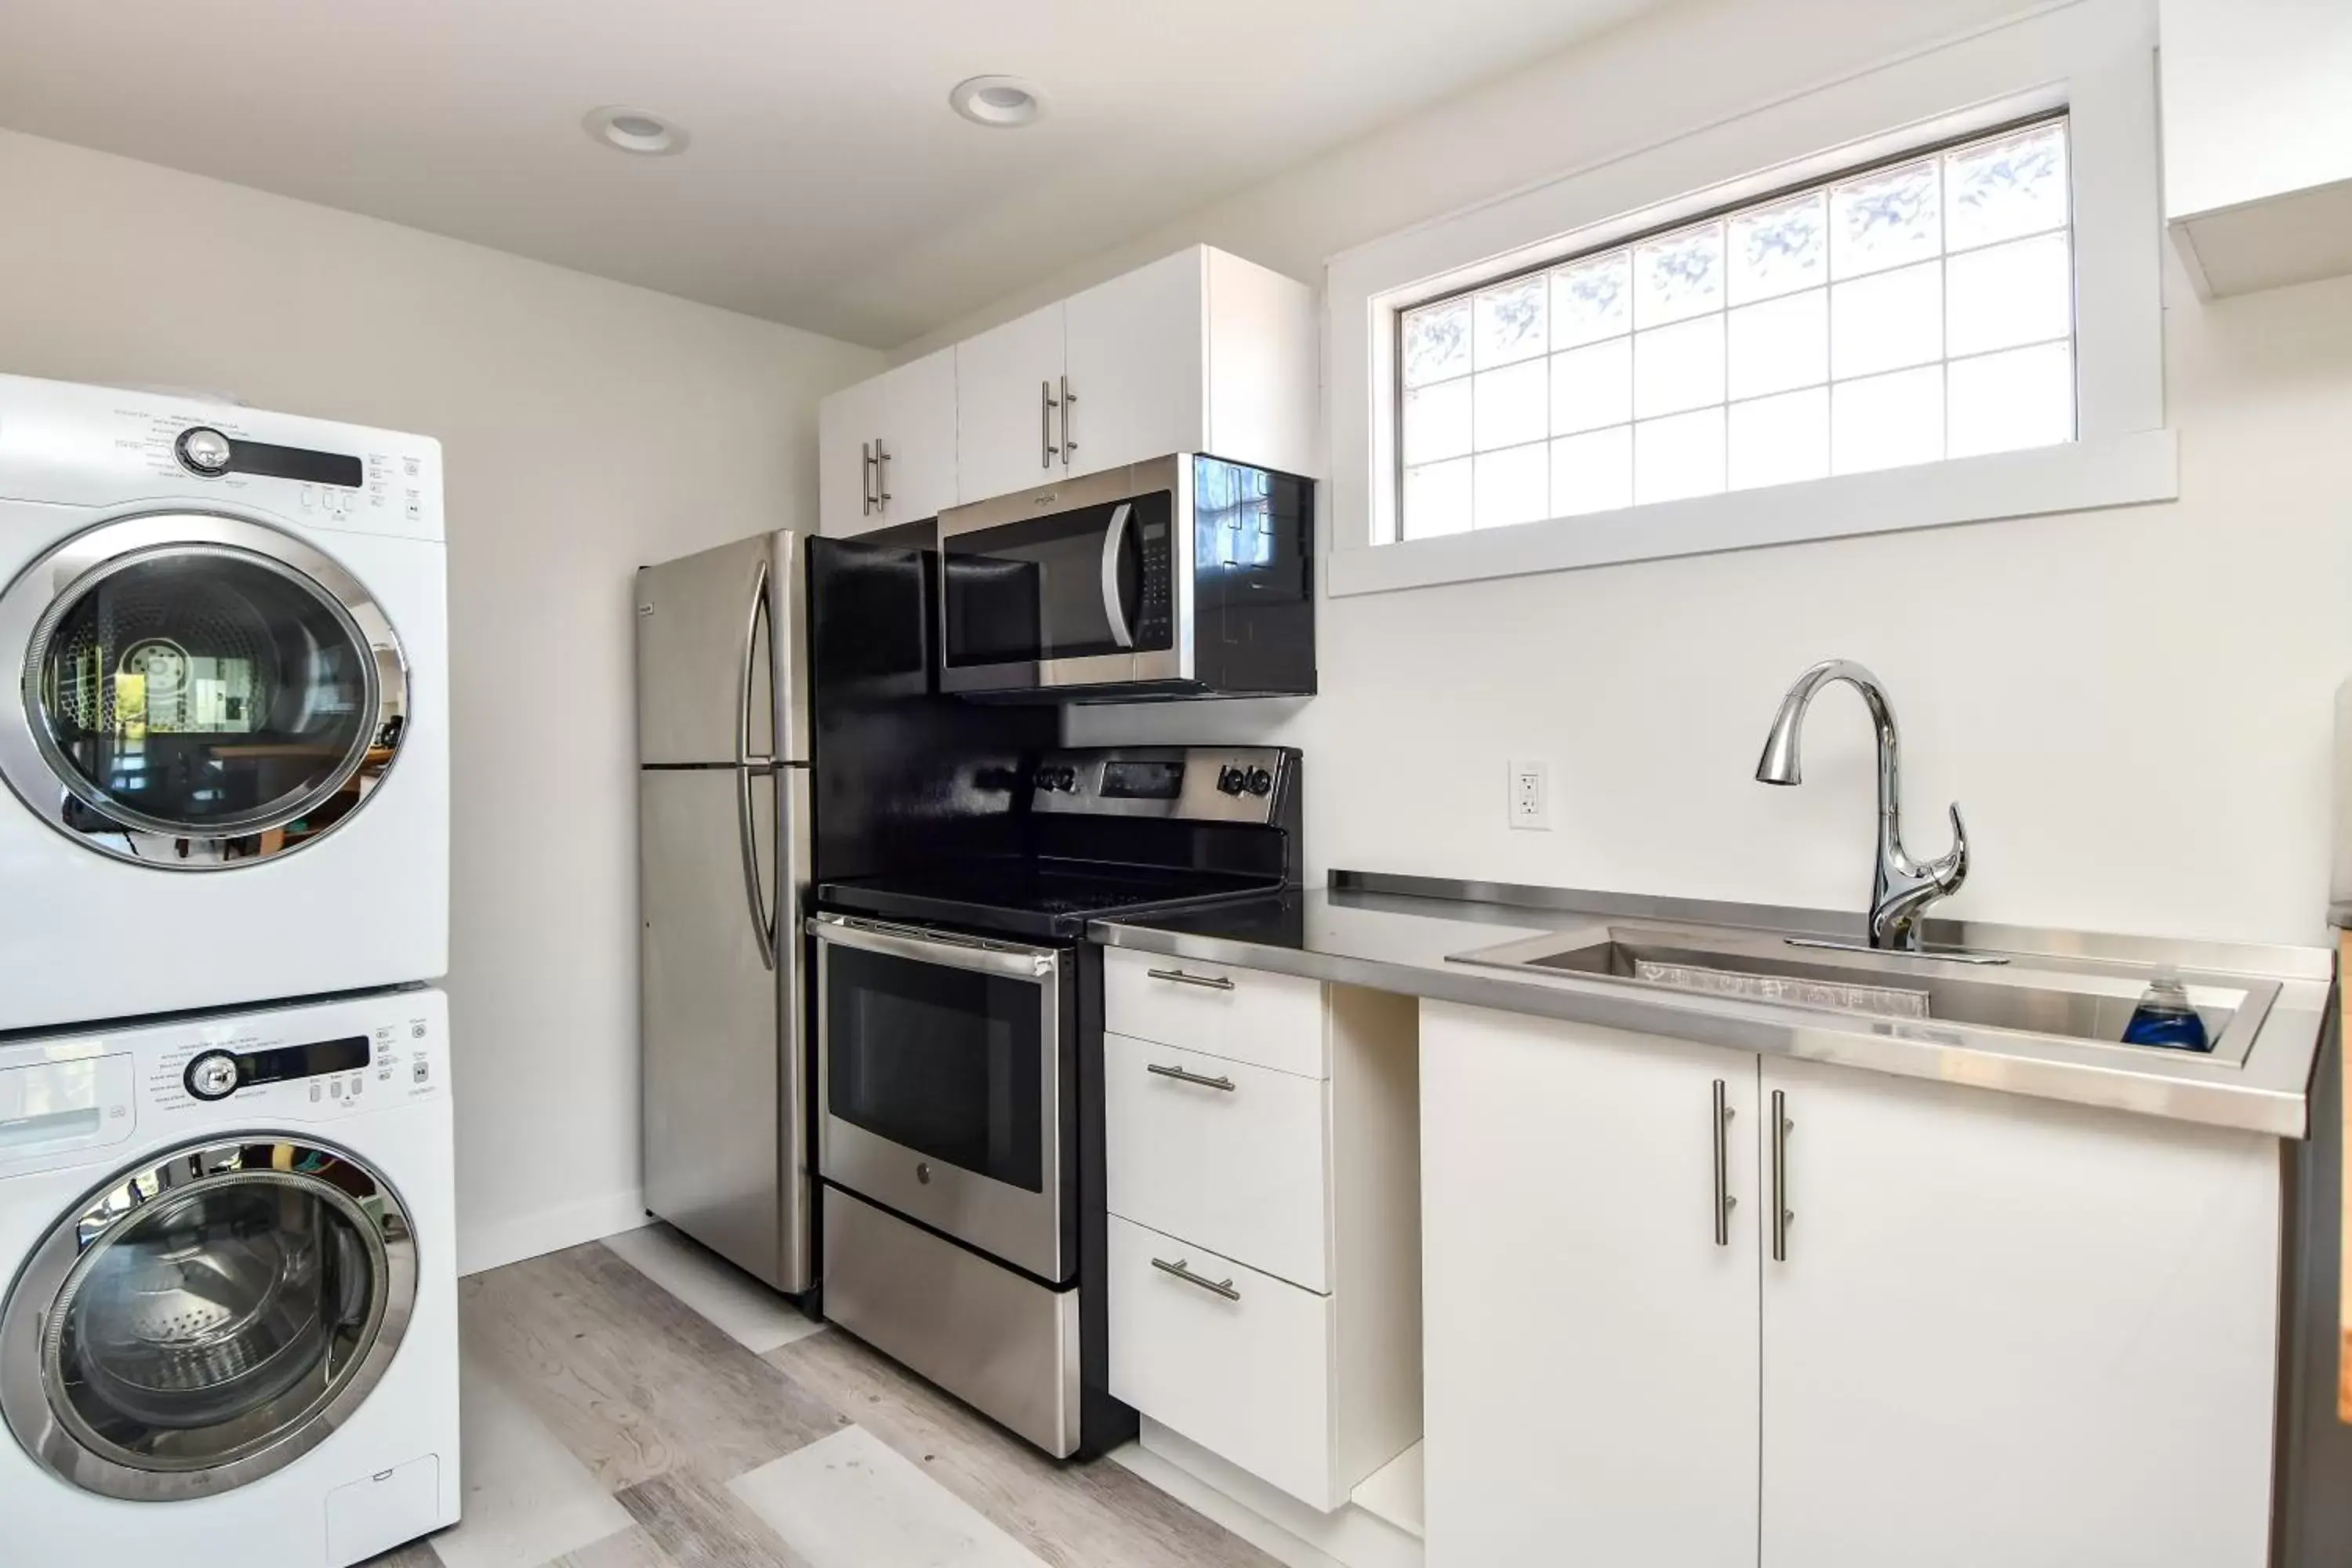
(1247, 1377)
(1235, 1162)
(1243, 1015)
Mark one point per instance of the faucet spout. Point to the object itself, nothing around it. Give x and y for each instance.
(1901, 887)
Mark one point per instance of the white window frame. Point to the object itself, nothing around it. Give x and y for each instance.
(2095, 59)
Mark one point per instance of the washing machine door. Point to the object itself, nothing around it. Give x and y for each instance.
(197, 691)
(206, 1319)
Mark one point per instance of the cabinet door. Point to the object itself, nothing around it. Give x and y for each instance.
(916, 423)
(847, 424)
(1007, 439)
(1590, 1349)
(1138, 353)
(2009, 1331)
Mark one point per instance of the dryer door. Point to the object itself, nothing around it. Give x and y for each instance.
(206, 1320)
(197, 691)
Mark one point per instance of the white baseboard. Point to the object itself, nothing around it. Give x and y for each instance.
(1272, 1520)
(485, 1246)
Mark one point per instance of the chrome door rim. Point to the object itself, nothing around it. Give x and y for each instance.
(37, 770)
(62, 1443)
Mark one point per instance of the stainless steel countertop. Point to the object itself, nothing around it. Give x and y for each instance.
(1397, 934)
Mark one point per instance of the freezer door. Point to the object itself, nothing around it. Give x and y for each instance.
(720, 661)
(726, 1108)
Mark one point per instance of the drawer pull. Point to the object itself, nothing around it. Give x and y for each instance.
(1180, 1076)
(1208, 981)
(1214, 1286)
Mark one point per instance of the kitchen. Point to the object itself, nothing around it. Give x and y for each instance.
(2123, 766)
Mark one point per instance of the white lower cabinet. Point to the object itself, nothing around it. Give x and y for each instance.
(2001, 1331)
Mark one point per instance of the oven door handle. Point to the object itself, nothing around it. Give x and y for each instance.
(1114, 603)
(1041, 965)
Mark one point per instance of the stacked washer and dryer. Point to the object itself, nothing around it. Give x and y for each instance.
(227, 1274)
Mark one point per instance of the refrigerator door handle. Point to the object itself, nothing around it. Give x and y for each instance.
(763, 919)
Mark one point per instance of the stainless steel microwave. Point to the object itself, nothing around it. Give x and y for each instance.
(1184, 576)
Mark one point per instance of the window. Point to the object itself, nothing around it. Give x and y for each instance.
(1915, 309)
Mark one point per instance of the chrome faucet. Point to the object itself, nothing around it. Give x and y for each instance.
(1900, 888)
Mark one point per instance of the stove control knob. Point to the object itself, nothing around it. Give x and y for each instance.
(1260, 782)
(1231, 780)
(213, 1076)
(1066, 779)
(1043, 780)
(203, 450)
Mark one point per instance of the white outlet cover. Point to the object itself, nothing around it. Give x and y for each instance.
(1528, 800)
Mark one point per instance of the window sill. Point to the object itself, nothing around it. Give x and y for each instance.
(2121, 470)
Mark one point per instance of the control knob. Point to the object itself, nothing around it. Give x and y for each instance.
(213, 1076)
(1231, 780)
(203, 450)
(1260, 782)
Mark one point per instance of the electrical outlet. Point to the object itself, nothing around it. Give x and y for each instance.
(1530, 799)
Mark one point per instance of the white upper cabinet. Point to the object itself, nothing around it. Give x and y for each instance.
(2257, 139)
(1138, 355)
(887, 448)
(1008, 414)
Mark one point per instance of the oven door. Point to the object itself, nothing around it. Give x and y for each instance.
(1084, 582)
(946, 1084)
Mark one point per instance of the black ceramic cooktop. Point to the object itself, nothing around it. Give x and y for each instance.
(1033, 898)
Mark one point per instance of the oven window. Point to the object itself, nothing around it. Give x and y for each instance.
(944, 1062)
(1038, 589)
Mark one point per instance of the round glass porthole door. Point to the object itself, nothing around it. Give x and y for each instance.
(198, 691)
(206, 1320)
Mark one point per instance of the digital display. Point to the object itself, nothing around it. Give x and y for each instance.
(1142, 781)
(303, 1061)
(295, 463)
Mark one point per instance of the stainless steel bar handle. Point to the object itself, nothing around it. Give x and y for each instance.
(1723, 1202)
(1183, 1271)
(1046, 406)
(1069, 401)
(1782, 1215)
(881, 475)
(1113, 606)
(1207, 982)
(865, 478)
(1180, 1076)
(746, 767)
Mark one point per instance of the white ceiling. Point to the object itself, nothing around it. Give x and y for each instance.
(828, 184)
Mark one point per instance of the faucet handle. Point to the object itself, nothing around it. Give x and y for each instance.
(1951, 869)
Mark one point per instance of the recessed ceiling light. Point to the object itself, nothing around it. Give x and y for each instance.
(1001, 101)
(635, 131)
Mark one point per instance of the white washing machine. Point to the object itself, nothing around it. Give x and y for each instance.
(224, 717)
(230, 1331)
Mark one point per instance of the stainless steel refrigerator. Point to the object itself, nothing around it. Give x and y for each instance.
(723, 852)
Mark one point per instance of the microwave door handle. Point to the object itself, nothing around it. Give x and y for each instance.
(1114, 603)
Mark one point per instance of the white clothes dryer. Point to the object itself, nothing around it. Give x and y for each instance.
(224, 717)
(230, 1329)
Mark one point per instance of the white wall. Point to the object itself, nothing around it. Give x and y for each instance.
(2133, 708)
(587, 428)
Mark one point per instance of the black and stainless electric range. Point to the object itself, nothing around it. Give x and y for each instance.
(960, 1097)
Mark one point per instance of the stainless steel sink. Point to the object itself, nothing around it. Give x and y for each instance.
(1896, 993)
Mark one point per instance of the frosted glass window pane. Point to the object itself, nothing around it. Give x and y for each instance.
(1513, 405)
(1513, 485)
(1886, 220)
(1593, 386)
(1437, 421)
(1779, 440)
(1780, 248)
(1437, 343)
(1592, 299)
(2023, 398)
(1887, 421)
(1511, 323)
(1437, 499)
(1881, 322)
(2022, 292)
(1999, 189)
(1592, 472)
(1678, 367)
(1679, 276)
(1678, 456)
(1780, 344)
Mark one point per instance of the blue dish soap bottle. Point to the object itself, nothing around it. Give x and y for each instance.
(2164, 1016)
